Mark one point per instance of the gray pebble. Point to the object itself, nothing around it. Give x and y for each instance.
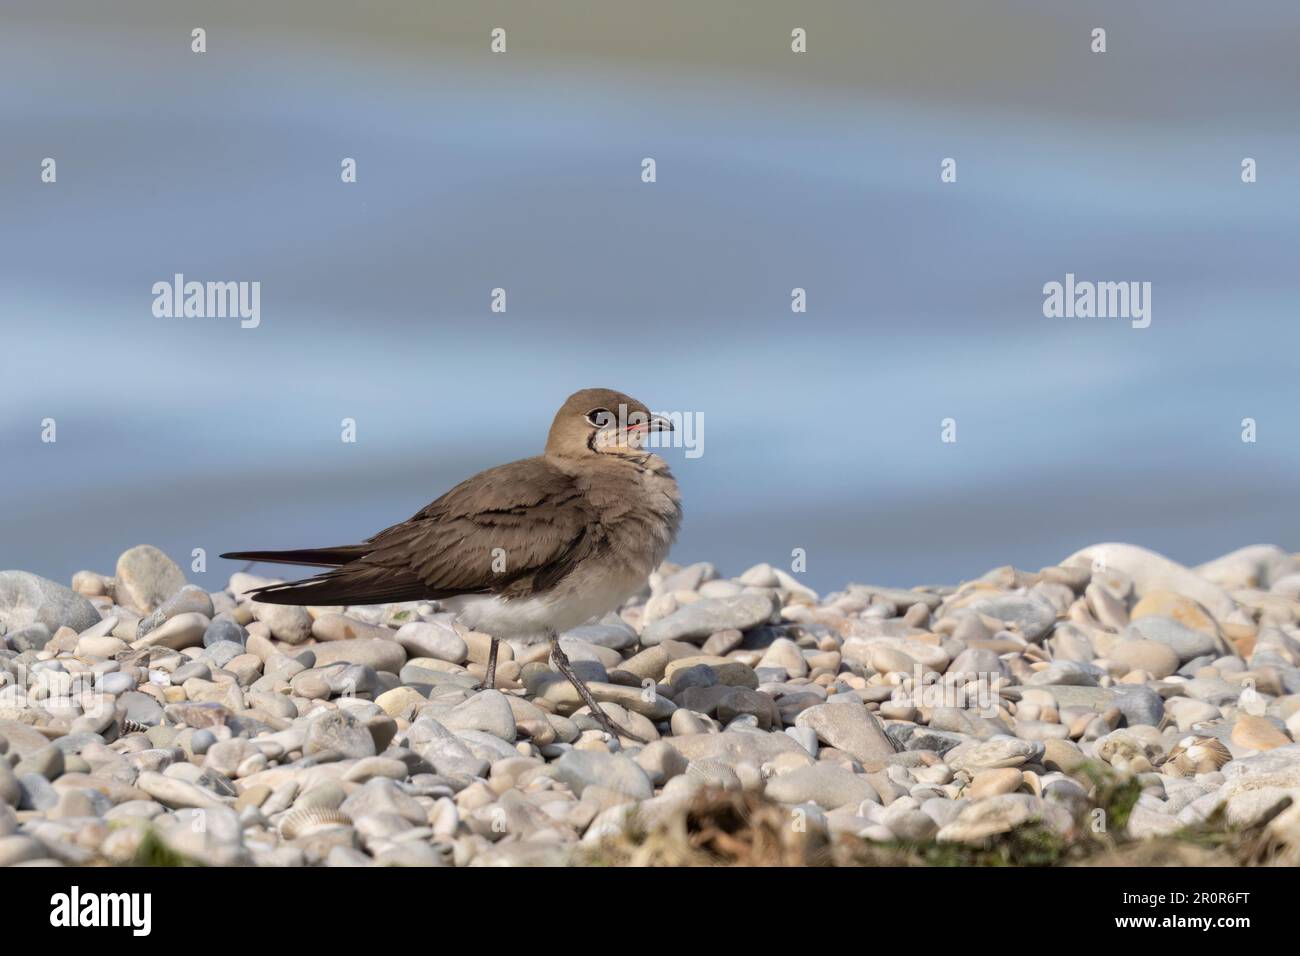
(36, 793)
(201, 740)
(33, 637)
(224, 629)
(30, 599)
(117, 683)
(222, 653)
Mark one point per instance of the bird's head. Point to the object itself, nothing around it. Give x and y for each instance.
(601, 421)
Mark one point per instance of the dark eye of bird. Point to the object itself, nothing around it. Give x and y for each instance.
(600, 417)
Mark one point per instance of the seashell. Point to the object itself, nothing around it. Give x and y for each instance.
(130, 726)
(304, 820)
(1193, 755)
(1127, 752)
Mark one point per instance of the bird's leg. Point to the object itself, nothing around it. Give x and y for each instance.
(564, 667)
(489, 680)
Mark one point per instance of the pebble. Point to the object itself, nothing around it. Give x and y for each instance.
(222, 630)
(784, 654)
(340, 627)
(197, 714)
(337, 732)
(101, 646)
(400, 701)
(1110, 610)
(612, 633)
(201, 741)
(146, 578)
(1140, 705)
(434, 639)
(1183, 641)
(189, 599)
(177, 633)
(824, 784)
(851, 728)
(381, 654)
(1181, 609)
(47, 762)
(27, 599)
(36, 793)
(884, 659)
(985, 818)
(487, 711)
(451, 758)
(222, 653)
(10, 792)
(699, 620)
(721, 643)
(661, 762)
(579, 769)
(141, 708)
(991, 783)
(1030, 614)
(176, 793)
(286, 622)
(994, 752)
(379, 796)
(728, 672)
(17, 849)
(1138, 654)
(976, 661)
(738, 747)
(32, 637)
(1258, 733)
(1066, 673)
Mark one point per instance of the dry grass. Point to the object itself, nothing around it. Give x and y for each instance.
(738, 829)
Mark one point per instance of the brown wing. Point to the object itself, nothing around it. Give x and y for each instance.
(511, 530)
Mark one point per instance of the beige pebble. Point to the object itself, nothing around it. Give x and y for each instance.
(1258, 733)
(991, 783)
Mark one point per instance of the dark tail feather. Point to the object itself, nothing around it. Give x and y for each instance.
(351, 586)
(311, 557)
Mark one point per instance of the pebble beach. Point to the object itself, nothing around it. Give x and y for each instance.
(1115, 699)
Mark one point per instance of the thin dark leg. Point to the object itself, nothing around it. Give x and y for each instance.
(564, 667)
(489, 681)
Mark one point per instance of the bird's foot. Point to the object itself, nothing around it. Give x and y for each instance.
(597, 712)
(489, 681)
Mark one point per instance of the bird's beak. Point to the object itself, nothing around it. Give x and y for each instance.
(657, 423)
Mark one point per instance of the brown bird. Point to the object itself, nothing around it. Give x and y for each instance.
(526, 550)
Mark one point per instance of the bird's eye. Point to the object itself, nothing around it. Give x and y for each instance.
(600, 417)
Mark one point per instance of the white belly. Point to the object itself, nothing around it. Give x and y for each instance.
(580, 598)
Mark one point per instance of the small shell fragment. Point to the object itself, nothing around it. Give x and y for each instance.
(304, 820)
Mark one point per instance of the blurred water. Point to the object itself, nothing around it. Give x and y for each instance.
(821, 430)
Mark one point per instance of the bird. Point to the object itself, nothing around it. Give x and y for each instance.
(525, 550)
